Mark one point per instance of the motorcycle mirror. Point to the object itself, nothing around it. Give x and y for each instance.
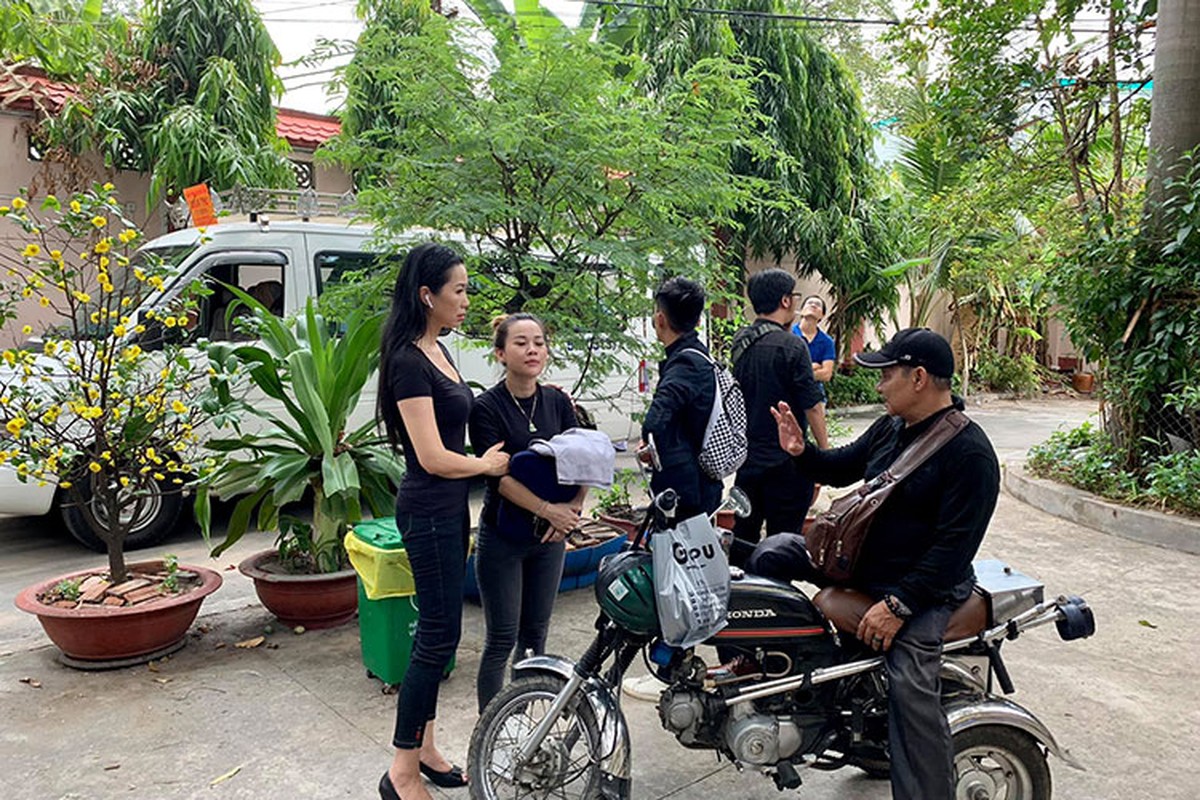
(740, 502)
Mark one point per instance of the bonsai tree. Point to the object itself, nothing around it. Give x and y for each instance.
(302, 441)
(94, 405)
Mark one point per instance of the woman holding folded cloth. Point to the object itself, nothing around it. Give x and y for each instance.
(519, 551)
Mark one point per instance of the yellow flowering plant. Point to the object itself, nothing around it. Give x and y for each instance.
(101, 403)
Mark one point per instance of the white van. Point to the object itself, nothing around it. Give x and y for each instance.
(283, 264)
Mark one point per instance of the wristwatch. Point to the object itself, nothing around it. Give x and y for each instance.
(896, 606)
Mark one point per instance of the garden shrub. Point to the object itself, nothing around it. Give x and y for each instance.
(854, 388)
(1019, 375)
(1173, 481)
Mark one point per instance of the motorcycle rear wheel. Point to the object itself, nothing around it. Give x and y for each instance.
(994, 762)
(566, 765)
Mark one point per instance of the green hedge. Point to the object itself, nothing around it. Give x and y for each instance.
(853, 388)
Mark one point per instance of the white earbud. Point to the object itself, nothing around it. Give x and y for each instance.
(428, 302)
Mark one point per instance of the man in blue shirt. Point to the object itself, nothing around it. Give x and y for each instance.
(821, 347)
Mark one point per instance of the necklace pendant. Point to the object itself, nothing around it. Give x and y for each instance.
(532, 427)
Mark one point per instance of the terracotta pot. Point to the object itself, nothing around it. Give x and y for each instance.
(108, 634)
(1083, 382)
(620, 523)
(314, 601)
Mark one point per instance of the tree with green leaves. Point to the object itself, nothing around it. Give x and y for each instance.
(63, 37)
(578, 190)
(820, 199)
(187, 99)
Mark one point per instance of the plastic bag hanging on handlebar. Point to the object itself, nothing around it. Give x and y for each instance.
(691, 582)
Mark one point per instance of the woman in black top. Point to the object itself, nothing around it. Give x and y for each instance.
(518, 574)
(424, 404)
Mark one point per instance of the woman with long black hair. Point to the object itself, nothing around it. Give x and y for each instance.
(424, 405)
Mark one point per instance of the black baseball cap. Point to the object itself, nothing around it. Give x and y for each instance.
(913, 347)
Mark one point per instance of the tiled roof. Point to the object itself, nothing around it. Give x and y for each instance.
(305, 131)
(29, 90)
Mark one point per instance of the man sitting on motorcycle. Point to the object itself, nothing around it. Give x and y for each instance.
(916, 559)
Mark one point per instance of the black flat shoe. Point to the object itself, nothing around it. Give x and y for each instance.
(386, 790)
(452, 778)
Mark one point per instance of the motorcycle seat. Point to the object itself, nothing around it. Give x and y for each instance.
(845, 608)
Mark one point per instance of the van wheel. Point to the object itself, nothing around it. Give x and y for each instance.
(151, 517)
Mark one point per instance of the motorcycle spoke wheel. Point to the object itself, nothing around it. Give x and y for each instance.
(993, 762)
(565, 767)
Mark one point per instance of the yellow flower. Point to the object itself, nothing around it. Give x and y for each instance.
(44, 302)
(104, 262)
(169, 322)
(18, 203)
(103, 246)
(139, 274)
(99, 222)
(27, 329)
(94, 467)
(151, 454)
(158, 476)
(65, 484)
(139, 328)
(76, 207)
(178, 407)
(82, 297)
(14, 426)
(128, 235)
(56, 255)
(156, 282)
(10, 357)
(108, 187)
(183, 320)
(31, 250)
(124, 480)
(119, 330)
(27, 292)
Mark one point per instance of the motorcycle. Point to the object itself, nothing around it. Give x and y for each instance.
(795, 690)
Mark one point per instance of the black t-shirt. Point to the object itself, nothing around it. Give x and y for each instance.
(500, 417)
(412, 374)
(775, 367)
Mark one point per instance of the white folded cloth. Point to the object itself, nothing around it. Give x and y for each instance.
(582, 457)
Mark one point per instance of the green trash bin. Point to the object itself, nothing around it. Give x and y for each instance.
(387, 603)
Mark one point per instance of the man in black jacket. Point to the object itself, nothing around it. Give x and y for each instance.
(683, 400)
(916, 560)
(772, 366)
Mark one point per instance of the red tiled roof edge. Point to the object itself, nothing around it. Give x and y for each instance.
(29, 90)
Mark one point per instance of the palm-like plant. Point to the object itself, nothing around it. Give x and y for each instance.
(313, 376)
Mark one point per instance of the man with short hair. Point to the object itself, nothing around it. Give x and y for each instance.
(915, 563)
(683, 400)
(821, 346)
(772, 366)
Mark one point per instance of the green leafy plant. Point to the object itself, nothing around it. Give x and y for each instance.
(67, 590)
(1085, 458)
(312, 379)
(171, 568)
(1173, 482)
(1019, 375)
(619, 499)
(853, 388)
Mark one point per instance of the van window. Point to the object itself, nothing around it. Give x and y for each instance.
(333, 265)
(263, 282)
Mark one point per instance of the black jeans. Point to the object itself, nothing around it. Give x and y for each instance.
(779, 496)
(437, 552)
(517, 585)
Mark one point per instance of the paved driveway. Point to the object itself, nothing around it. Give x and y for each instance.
(297, 717)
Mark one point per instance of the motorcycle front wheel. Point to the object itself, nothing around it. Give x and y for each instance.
(565, 766)
(994, 762)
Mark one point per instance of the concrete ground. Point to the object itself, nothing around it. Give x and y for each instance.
(298, 717)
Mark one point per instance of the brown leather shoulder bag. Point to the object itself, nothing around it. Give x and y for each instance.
(836, 537)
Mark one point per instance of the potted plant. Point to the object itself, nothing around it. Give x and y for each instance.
(97, 413)
(313, 376)
(615, 506)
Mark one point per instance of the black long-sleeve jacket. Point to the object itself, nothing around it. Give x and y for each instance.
(677, 419)
(923, 538)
